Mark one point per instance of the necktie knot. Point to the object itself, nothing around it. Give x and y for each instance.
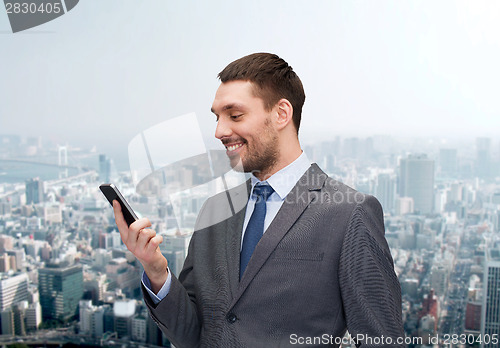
(262, 192)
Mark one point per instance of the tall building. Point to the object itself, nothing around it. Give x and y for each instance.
(6, 243)
(19, 310)
(490, 311)
(33, 316)
(448, 164)
(91, 319)
(34, 191)
(4, 263)
(85, 308)
(439, 279)
(386, 191)
(124, 312)
(7, 322)
(13, 289)
(139, 326)
(483, 158)
(17, 257)
(417, 181)
(104, 168)
(61, 288)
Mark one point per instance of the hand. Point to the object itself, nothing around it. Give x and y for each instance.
(144, 243)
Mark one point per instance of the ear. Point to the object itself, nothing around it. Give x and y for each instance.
(284, 113)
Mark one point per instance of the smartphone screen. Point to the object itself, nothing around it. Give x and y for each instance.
(111, 193)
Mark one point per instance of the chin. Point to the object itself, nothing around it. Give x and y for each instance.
(237, 164)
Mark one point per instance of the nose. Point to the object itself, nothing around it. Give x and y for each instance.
(223, 129)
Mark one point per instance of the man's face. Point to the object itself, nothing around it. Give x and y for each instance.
(245, 127)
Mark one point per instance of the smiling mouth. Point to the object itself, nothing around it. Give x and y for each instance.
(233, 147)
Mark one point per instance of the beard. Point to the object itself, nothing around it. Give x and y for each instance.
(260, 155)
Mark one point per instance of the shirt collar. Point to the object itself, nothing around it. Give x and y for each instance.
(285, 179)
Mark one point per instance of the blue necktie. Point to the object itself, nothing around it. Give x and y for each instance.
(255, 227)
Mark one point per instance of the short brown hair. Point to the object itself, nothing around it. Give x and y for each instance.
(273, 79)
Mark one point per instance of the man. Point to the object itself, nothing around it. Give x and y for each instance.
(300, 261)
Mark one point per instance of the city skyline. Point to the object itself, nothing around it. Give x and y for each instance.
(401, 103)
(436, 239)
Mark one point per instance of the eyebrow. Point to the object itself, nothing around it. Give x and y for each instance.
(229, 107)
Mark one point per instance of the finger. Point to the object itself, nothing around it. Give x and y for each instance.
(120, 221)
(140, 224)
(154, 243)
(135, 231)
(143, 238)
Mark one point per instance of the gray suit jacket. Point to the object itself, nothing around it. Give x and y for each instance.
(322, 266)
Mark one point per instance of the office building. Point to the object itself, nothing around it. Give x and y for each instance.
(123, 313)
(13, 319)
(16, 257)
(483, 158)
(448, 163)
(404, 205)
(104, 169)
(34, 191)
(439, 279)
(386, 191)
(6, 243)
(19, 310)
(4, 263)
(490, 311)
(417, 181)
(13, 289)
(139, 327)
(91, 319)
(33, 316)
(7, 321)
(61, 288)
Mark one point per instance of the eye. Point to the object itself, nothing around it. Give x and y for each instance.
(234, 117)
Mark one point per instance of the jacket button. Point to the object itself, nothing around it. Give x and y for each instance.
(231, 318)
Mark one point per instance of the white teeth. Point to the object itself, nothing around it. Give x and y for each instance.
(234, 147)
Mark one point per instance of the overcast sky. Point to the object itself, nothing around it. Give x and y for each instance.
(109, 69)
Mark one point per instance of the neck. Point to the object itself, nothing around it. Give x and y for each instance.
(290, 155)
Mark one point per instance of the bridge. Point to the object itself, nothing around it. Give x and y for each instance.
(47, 164)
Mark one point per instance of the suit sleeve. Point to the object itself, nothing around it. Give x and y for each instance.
(176, 314)
(370, 290)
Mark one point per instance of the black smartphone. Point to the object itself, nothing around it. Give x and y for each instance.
(111, 193)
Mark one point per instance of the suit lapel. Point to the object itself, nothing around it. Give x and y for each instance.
(295, 203)
(233, 236)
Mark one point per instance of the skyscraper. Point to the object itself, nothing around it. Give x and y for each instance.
(34, 191)
(490, 314)
(386, 191)
(104, 168)
(417, 181)
(448, 164)
(483, 158)
(61, 288)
